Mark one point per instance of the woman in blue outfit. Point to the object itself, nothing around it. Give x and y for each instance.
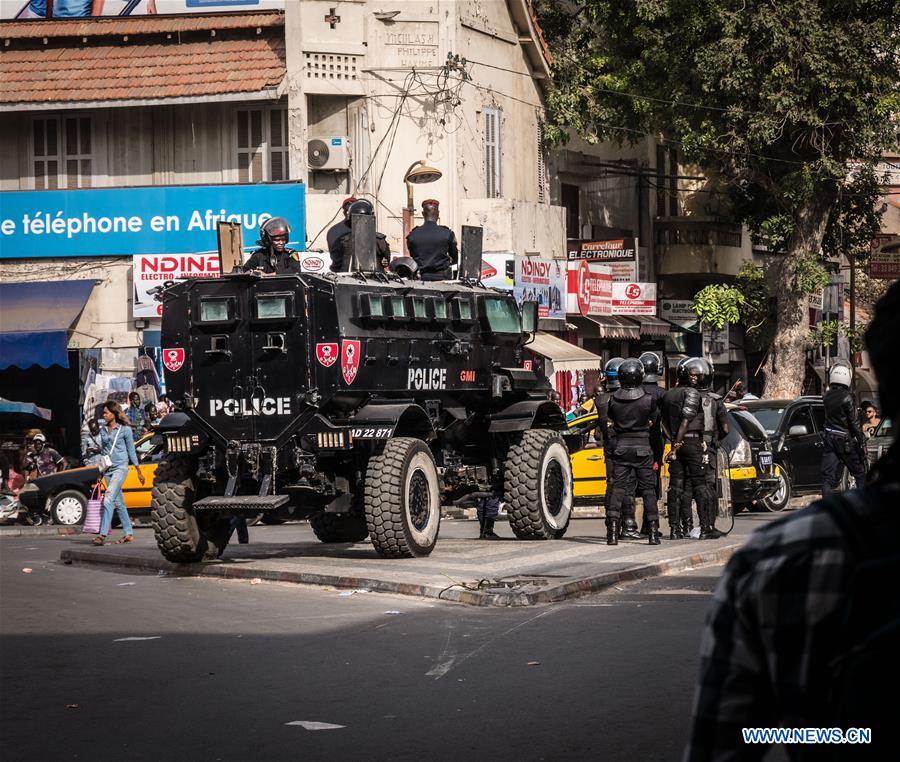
(117, 442)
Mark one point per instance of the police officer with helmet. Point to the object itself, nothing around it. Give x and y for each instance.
(342, 249)
(844, 441)
(650, 361)
(433, 246)
(273, 255)
(690, 448)
(632, 412)
(680, 525)
(606, 434)
(715, 426)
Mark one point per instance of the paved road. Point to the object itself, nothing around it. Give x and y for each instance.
(99, 665)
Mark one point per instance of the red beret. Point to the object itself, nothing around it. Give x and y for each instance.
(349, 200)
(431, 202)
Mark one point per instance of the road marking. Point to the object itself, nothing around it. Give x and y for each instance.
(149, 637)
(310, 725)
(439, 670)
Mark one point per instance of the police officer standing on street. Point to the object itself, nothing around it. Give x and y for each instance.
(433, 246)
(273, 255)
(632, 412)
(715, 427)
(672, 403)
(342, 250)
(606, 434)
(650, 361)
(691, 450)
(845, 444)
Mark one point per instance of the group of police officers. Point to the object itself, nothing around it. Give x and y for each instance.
(635, 418)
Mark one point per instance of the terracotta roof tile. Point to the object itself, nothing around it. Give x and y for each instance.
(141, 71)
(135, 25)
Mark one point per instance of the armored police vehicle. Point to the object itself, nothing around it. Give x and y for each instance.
(361, 400)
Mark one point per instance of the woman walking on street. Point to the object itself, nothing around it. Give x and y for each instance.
(118, 443)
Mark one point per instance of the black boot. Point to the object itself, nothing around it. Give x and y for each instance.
(630, 529)
(709, 532)
(653, 532)
(612, 532)
(687, 526)
(487, 530)
(676, 531)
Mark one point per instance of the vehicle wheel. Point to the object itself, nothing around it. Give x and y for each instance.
(402, 499)
(181, 535)
(339, 527)
(68, 508)
(780, 498)
(269, 520)
(537, 486)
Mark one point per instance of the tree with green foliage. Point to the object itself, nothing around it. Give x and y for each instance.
(775, 100)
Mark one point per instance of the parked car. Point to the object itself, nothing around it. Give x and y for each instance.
(796, 428)
(882, 438)
(64, 495)
(752, 473)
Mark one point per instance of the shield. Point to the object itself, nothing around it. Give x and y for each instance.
(173, 359)
(327, 354)
(349, 360)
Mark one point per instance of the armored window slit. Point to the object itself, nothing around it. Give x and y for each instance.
(218, 345)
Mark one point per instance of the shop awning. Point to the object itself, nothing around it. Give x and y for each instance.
(24, 414)
(561, 355)
(651, 326)
(607, 326)
(35, 319)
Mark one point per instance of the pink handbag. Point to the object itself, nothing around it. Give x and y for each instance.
(94, 511)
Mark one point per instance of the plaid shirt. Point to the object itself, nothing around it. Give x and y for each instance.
(774, 626)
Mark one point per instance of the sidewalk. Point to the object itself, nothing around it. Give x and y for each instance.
(507, 572)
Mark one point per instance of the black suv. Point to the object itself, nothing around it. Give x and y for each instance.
(796, 428)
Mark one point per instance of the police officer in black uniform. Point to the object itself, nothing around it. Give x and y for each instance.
(606, 435)
(632, 412)
(844, 440)
(433, 246)
(715, 428)
(342, 250)
(273, 255)
(672, 403)
(341, 228)
(650, 361)
(690, 448)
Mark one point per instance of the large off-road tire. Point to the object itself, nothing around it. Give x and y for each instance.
(180, 536)
(339, 527)
(402, 499)
(68, 508)
(537, 486)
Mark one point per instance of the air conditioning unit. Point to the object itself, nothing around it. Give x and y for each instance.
(331, 153)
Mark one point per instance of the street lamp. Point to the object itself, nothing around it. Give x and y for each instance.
(418, 173)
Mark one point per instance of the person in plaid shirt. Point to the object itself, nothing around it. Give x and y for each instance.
(777, 619)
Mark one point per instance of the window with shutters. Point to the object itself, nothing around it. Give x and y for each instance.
(541, 164)
(262, 145)
(492, 174)
(62, 152)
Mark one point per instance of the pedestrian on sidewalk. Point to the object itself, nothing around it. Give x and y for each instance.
(42, 459)
(135, 414)
(91, 443)
(118, 444)
(804, 624)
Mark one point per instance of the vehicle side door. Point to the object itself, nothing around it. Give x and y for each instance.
(588, 463)
(137, 495)
(805, 448)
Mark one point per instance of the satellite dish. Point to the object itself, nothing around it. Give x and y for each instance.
(317, 153)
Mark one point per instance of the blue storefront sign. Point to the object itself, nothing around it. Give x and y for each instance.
(126, 221)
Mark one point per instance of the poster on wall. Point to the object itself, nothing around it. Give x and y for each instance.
(716, 344)
(169, 219)
(37, 9)
(542, 281)
(498, 270)
(634, 298)
(619, 254)
(589, 289)
(680, 312)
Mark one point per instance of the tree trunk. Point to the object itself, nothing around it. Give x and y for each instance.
(792, 312)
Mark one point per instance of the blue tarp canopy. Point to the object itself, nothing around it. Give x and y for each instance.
(35, 319)
(23, 414)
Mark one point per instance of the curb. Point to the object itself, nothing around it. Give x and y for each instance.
(481, 595)
(38, 531)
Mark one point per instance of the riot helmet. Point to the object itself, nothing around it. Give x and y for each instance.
(611, 371)
(840, 374)
(362, 206)
(631, 376)
(405, 267)
(273, 227)
(691, 368)
(650, 361)
(706, 380)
